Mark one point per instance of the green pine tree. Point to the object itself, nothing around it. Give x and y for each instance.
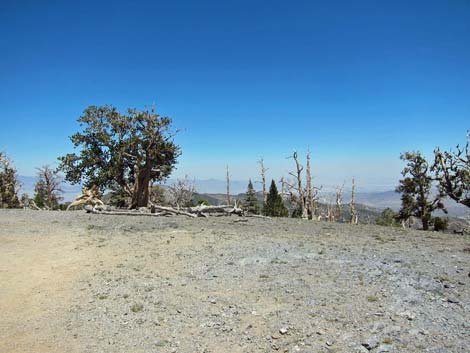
(416, 190)
(40, 194)
(250, 203)
(274, 206)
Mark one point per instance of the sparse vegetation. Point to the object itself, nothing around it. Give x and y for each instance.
(440, 224)
(372, 298)
(136, 308)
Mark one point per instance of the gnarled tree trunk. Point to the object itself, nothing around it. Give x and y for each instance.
(140, 195)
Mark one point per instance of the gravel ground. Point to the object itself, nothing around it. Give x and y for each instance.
(73, 282)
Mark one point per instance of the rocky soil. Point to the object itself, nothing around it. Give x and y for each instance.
(73, 282)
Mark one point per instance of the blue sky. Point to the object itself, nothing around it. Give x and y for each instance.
(356, 81)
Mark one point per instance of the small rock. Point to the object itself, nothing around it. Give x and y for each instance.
(408, 315)
(453, 300)
(361, 349)
(383, 348)
(283, 330)
(371, 343)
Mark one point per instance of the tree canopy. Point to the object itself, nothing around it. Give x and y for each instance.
(130, 151)
(452, 170)
(250, 203)
(274, 204)
(415, 187)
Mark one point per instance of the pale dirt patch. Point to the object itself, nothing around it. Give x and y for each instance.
(38, 268)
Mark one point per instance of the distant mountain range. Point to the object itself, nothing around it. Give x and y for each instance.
(214, 191)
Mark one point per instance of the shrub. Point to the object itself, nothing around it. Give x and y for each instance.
(388, 218)
(440, 224)
(203, 202)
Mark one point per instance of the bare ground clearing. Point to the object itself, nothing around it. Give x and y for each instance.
(72, 282)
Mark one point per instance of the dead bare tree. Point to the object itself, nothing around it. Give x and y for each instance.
(263, 179)
(305, 198)
(311, 191)
(228, 187)
(339, 201)
(308, 187)
(48, 188)
(181, 192)
(352, 204)
(330, 213)
(283, 187)
(299, 188)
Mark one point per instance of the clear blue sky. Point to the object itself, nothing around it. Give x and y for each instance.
(357, 81)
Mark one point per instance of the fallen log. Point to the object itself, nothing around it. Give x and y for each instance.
(257, 216)
(175, 211)
(97, 210)
(226, 209)
(193, 212)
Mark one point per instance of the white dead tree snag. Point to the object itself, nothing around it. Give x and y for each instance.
(330, 214)
(283, 187)
(311, 191)
(89, 196)
(339, 202)
(352, 204)
(228, 187)
(298, 178)
(263, 180)
(308, 191)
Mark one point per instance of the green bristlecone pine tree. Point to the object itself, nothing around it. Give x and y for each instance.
(250, 203)
(274, 206)
(417, 199)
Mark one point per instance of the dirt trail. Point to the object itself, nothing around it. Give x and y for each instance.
(38, 268)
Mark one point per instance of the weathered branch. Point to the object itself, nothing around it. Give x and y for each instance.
(87, 197)
(172, 210)
(96, 210)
